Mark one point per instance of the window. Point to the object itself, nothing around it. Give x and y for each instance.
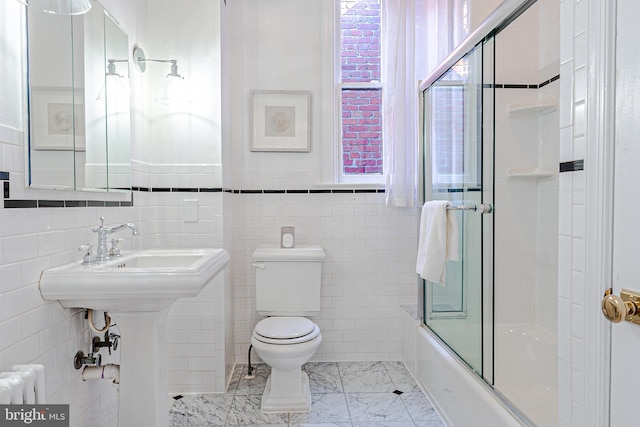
(453, 111)
(360, 92)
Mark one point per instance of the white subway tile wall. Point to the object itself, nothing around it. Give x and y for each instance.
(196, 345)
(369, 270)
(571, 244)
(36, 331)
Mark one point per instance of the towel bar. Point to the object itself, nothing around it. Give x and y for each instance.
(484, 208)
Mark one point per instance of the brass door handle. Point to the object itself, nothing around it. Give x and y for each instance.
(624, 307)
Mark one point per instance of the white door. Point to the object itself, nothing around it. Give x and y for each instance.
(625, 351)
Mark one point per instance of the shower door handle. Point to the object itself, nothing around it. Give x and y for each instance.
(624, 307)
(484, 208)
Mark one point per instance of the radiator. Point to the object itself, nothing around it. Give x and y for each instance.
(24, 384)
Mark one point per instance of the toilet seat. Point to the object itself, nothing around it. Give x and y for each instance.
(285, 330)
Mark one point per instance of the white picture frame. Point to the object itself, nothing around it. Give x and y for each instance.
(57, 119)
(280, 120)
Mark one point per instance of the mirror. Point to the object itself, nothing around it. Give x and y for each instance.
(79, 102)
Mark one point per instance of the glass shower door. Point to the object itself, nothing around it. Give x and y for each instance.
(491, 135)
(454, 171)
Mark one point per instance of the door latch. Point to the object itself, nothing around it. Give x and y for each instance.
(624, 307)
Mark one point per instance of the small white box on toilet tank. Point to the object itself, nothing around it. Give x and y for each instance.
(288, 280)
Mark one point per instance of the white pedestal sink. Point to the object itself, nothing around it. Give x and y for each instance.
(137, 290)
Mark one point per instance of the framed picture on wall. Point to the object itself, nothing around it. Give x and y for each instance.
(57, 119)
(280, 120)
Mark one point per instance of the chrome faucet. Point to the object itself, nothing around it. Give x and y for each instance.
(102, 252)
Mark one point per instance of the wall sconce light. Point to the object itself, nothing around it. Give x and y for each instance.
(173, 90)
(115, 85)
(59, 7)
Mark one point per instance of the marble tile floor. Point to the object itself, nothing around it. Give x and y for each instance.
(343, 394)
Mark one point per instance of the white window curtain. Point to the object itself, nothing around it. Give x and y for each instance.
(400, 102)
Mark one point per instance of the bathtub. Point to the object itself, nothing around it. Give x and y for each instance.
(459, 396)
(526, 370)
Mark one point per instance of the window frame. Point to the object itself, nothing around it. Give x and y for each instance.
(339, 176)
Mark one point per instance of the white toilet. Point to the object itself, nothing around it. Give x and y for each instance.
(287, 288)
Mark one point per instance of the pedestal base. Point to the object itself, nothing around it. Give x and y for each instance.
(144, 386)
(285, 400)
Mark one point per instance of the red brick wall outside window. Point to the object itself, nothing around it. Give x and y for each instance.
(361, 92)
(448, 132)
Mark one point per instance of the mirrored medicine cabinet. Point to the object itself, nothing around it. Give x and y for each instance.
(79, 102)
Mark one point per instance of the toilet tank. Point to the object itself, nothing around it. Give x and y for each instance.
(288, 280)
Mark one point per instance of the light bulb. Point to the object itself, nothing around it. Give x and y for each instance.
(174, 89)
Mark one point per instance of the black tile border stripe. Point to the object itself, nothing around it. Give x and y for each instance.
(287, 191)
(46, 203)
(458, 190)
(314, 191)
(521, 85)
(573, 166)
(51, 203)
(21, 204)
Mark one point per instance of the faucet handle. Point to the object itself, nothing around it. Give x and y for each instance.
(114, 250)
(89, 257)
(100, 227)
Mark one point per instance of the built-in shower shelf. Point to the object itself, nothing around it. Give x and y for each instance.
(535, 172)
(531, 110)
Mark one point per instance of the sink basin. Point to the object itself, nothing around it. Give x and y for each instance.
(148, 280)
(137, 290)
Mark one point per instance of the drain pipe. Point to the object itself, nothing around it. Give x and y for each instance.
(92, 326)
(250, 375)
(110, 371)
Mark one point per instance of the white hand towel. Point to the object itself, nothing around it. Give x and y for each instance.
(438, 242)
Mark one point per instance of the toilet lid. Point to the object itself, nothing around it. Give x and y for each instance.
(284, 328)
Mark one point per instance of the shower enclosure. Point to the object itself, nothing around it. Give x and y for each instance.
(491, 135)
